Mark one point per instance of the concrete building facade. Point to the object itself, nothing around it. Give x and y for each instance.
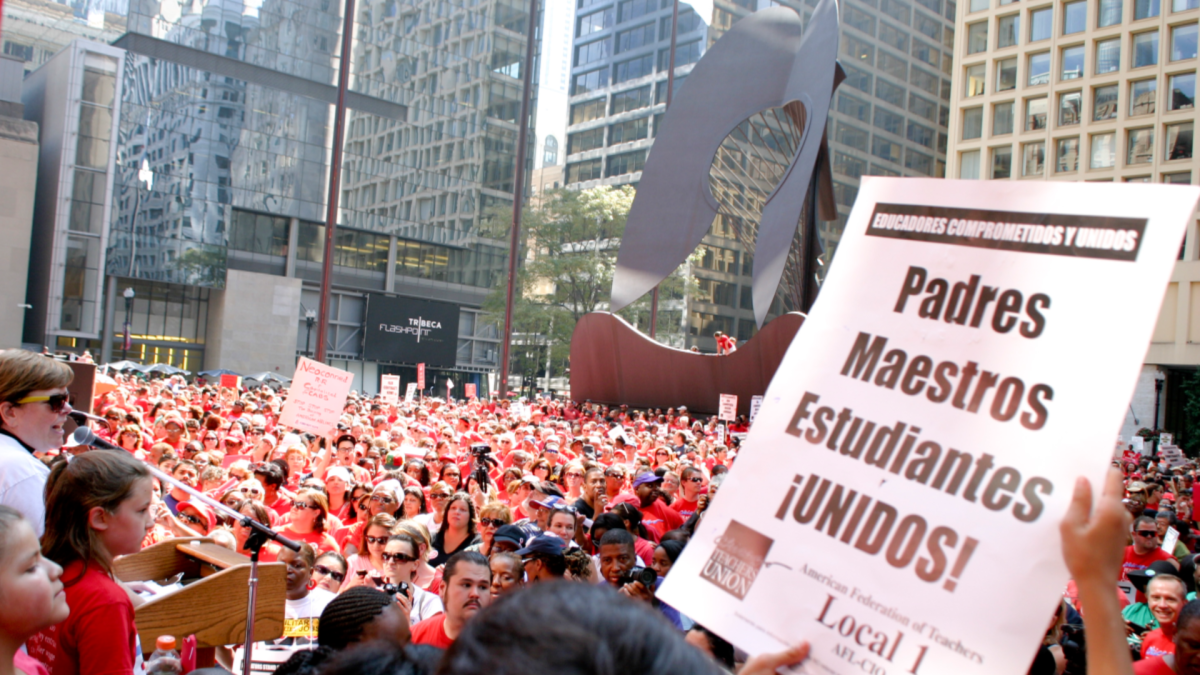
(18, 180)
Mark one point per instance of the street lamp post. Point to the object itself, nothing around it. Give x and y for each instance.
(1158, 387)
(125, 345)
(310, 317)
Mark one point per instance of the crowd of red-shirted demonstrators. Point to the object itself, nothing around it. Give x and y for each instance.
(420, 556)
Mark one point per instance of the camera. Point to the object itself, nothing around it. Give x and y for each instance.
(392, 589)
(646, 575)
(481, 458)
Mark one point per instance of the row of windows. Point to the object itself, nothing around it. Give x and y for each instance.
(896, 37)
(622, 101)
(606, 167)
(1142, 100)
(621, 132)
(1139, 148)
(862, 52)
(629, 69)
(1074, 15)
(891, 122)
(884, 148)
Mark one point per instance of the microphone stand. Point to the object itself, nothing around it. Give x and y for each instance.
(259, 533)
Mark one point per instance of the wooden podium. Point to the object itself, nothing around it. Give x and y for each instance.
(213, 606)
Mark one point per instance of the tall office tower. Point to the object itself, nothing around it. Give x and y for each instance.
(888, 118)
(1095, 91)
(222, 147)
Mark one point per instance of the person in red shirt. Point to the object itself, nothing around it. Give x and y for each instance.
(1186, 659)
(1144, 550)
(657, 517)
(466, 590)
(1165, 595)
(97, 508)
(688, 499)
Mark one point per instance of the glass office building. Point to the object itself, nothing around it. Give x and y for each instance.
(222, 153)
(888, 117)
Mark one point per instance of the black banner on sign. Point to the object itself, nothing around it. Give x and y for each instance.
(1046, 233)
(407, 330)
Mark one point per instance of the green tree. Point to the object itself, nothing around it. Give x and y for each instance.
(569, 251)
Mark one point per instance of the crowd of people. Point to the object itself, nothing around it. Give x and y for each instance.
(437, 525)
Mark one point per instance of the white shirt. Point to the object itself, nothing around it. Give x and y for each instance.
(301, 616)
(424, 605)
(23, 482)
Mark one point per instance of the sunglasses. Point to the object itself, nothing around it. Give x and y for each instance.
(253, 492)
(492, 522)
(300, 506)
(439, 495)
(189, 518)
(1148, 533)
(697, 479)
(383, 499)
(377, 540)
(57, 402)
(574, 475)
(397, 557)
(336, 576)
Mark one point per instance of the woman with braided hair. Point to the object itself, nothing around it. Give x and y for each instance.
(360, 614)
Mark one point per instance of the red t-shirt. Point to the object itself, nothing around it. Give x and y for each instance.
(1152, 666)
(432, 632)
(99, 631)
(660, 519)
(1134, 562)
(685, 508)
(321, 541)
(1155, 643)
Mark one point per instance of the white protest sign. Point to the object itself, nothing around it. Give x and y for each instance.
(755, 405)
(316, 397)
(1170, 540)
(720, 434)
(1166, 439)
(920, 442)
(389, 388)
(409, 391)
(1139, 444)
(728, 410)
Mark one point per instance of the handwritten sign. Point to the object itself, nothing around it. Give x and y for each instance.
(316, 398)
(755, 405)
(920, 441)
(410, 390)
(389, 388)
(728, 409)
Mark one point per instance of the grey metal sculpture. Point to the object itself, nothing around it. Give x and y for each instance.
(766, 60)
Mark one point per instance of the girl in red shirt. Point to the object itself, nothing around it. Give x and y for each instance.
(31, 592)
(97, 508)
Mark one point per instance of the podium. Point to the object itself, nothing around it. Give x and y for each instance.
(212, 603)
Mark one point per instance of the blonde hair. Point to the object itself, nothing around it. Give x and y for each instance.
(417, 530)
(24, 371)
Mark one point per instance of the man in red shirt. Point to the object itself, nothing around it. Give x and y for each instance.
(1186, 659)
(1165, 593)
(466, 590)
(1144, 550)
(656, 515)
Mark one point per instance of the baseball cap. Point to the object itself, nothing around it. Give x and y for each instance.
(510, 533)
(551, 502)
(204, 511)
(1139, 578)
(644, 478)
(1136, 486)
(544, 544)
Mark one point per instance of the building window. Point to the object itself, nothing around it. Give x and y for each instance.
(634, 68)
(885, 149)
(921, 134)
(1110, 13)
(632, 99)
(977, 37)
(684, 54)
(1033, 159)
(968, 165)
(1006, 74)
(860, 51)
(893, 65)
(886, 91)
(1035, 114)
(1002, 162)
(1145, 49)
(848, 165)
(918, 162)
(592, 52)
(594, 22)
(1104, 151)
(1041, 24)
(1179, 141)
(892, 36)
(972, 123)
(629, 131)
(1183, 42)
(635, 37)
(1183, 178)
(1184, 5)
(889, 122)
(1039, 68)
(1008, 28)
(1183, 91)
(258, 233)
(1140, 149)
(1072, 63)
(854, 17)
(978, 6)
(587, 111)
(582, 171)
(854, 107)
(632, 9)
(852, 136)
(626, 162)
(590, 81)
(550, 151)
(1144, 9)
(1002, 118)
(1066, 155)
(1142, 96)
(1070, 108)
(974, 82)
(582, 141)
(1074, 17)
(1104, 103)
(1108, 56)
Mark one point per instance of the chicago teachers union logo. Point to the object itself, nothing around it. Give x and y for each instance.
(736, 560)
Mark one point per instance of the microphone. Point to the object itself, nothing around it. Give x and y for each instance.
(85, 436)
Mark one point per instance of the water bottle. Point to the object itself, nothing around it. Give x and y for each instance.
(164, 659)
